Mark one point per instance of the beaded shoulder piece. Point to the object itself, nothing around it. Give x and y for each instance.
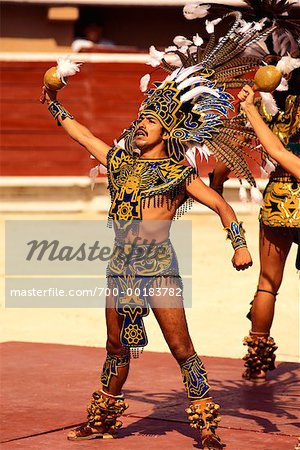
(286, 123)
(132, 180)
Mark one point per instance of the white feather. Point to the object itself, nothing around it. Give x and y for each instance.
(102, 170)
(181, 41)
(259, 25)
(186, 73)
(203, 150)
(144, 82)
(269, 166)
(66, 67)
(155, 57)
(171, 48)
(120, 143)
(210, 25)
(244, 26)
(193, 49)
(94, 172)
(173, 59)
(283, 86)
(195, 11)
(269, 102)
(173, 75)
(243, 196)
(184, 49)
(194, 93)
(190, 155)
(198, 41)
(263, 173)
(191, 81)
(256, 195)
(287, 64)
(192, 152)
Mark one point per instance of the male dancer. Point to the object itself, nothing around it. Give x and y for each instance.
(150, 138)
(189, 109)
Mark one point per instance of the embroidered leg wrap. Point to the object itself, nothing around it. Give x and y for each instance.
(203, 412)
(260, 357)
(104, 408)
(203, 416)
(111, 365)
(194, 377)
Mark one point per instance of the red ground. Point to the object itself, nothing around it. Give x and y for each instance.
(45, 389)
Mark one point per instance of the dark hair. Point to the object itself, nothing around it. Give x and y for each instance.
(294, 82)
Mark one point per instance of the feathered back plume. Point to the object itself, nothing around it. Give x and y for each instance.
(193, 102)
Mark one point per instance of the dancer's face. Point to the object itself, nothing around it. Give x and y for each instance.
(149, 132)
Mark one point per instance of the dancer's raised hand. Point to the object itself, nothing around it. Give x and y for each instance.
(246, 96)
(47, 95)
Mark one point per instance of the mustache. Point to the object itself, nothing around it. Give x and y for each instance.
(141, 129)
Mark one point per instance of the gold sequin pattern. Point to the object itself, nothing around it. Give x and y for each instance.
(281, 206)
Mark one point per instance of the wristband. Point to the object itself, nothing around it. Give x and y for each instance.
(57, 110)
(236, 233)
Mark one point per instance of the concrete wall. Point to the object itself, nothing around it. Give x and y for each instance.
(26, 27)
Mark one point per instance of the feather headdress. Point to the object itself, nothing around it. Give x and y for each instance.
(193, 103)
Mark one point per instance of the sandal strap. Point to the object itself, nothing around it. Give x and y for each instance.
(84, 431)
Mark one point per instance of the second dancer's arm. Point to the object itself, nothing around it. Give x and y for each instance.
(268, 139)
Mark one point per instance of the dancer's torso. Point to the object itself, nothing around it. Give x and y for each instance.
(147, 192)
(281, 206)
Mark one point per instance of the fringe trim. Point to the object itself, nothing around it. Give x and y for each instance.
(167, 197)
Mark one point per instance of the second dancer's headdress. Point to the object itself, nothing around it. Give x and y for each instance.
(193, 103)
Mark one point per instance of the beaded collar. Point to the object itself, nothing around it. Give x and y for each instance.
(132, 180)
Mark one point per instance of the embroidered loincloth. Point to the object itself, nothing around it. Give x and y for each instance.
(135, 273)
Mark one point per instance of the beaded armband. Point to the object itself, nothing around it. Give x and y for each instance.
(236, 233)
(57, 110)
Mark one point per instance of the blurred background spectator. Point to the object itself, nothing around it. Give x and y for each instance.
(91, 38)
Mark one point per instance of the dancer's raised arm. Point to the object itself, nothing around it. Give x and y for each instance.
(268, 139)
(74, 129)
